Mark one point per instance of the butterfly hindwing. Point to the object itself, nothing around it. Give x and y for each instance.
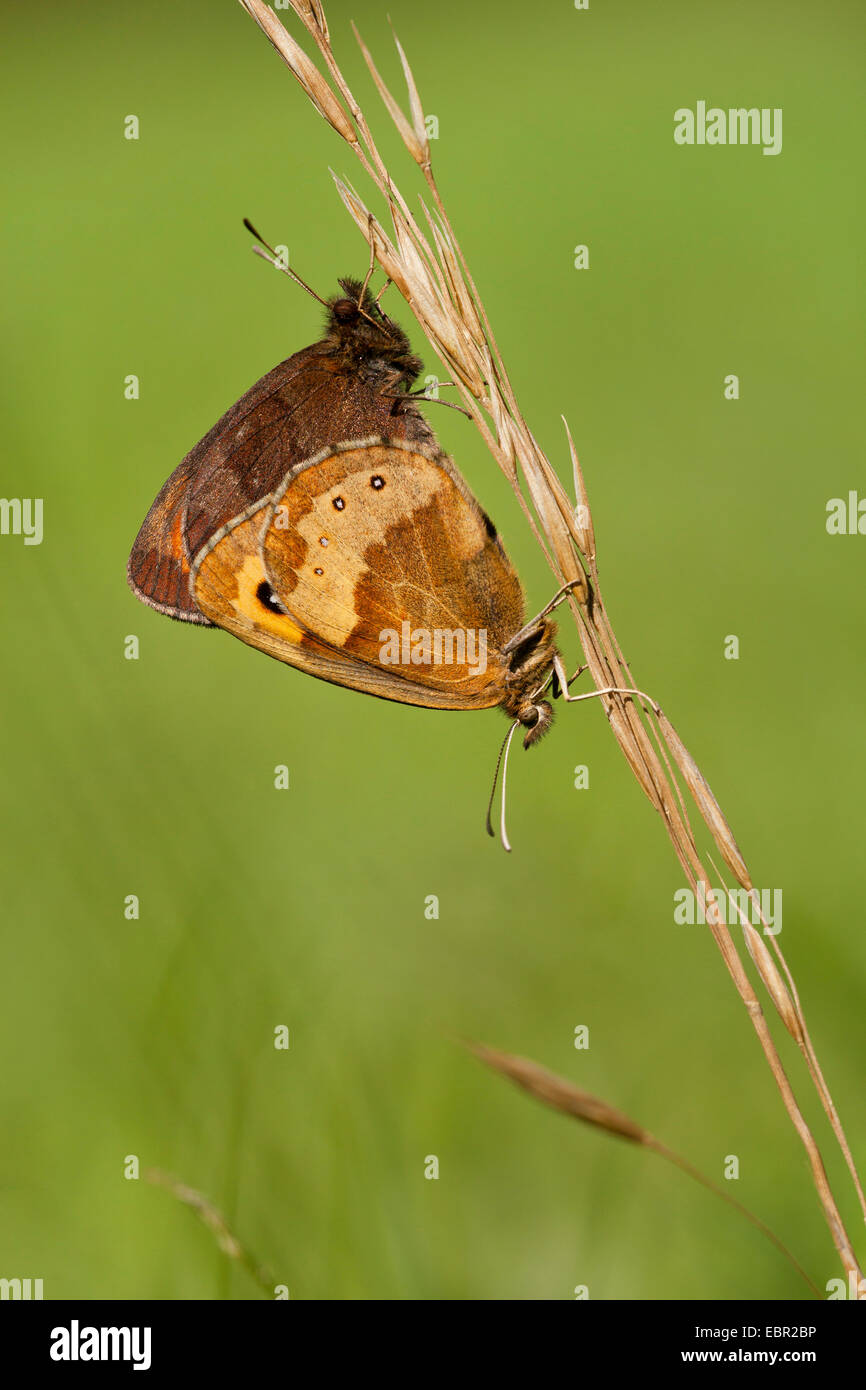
(230, 587)
(377, 540)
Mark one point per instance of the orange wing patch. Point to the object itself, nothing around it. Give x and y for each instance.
(230, 588)
(378, 550)
(229, 583)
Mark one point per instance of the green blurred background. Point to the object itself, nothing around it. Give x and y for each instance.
(306, 907)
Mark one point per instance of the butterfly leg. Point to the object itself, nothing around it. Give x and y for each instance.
(429, 400)
(423, 394)
(535, 623)
(434, 400)
(424, 390)
(560, 676)
(558, 684)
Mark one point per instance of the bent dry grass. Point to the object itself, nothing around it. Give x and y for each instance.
(428, 268)
(211, 1217)
(571, 1100)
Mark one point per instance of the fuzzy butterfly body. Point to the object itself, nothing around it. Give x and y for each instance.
(319, 522)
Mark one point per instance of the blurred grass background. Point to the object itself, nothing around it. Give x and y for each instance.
(306, 907)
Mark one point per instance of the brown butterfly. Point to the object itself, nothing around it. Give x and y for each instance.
(320, 522)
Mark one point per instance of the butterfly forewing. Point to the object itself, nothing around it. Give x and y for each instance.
(291, 413)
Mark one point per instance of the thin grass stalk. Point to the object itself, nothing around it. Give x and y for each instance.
(438, 286)
(571, 1100)
(211, 1217)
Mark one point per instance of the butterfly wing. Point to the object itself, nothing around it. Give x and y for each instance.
(231, 591)
(157, 570)
(289, 414)
(379, 540)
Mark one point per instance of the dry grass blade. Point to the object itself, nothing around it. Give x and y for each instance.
(312, 14)
(569, 1099)
(216, 1223)
(707, 803)
(787, 1002)
(303, 67)
(461, 296)
(582, 514)
(434, 278)
(764, 963)
(417, 148)
(561, 1095)
(771, 978)
(415, 107)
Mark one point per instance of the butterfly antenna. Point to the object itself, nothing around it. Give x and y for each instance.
(383, 323)
(489, 823)
(275, 261)
(503, 833)
(503, 754)
(371, 267)
(382, 326)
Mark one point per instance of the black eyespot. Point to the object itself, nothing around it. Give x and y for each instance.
(488, 526)
(318, 571)
(338, 504)
(377, 482)
(268, 599)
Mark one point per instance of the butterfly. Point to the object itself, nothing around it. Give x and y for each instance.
(320, 522)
